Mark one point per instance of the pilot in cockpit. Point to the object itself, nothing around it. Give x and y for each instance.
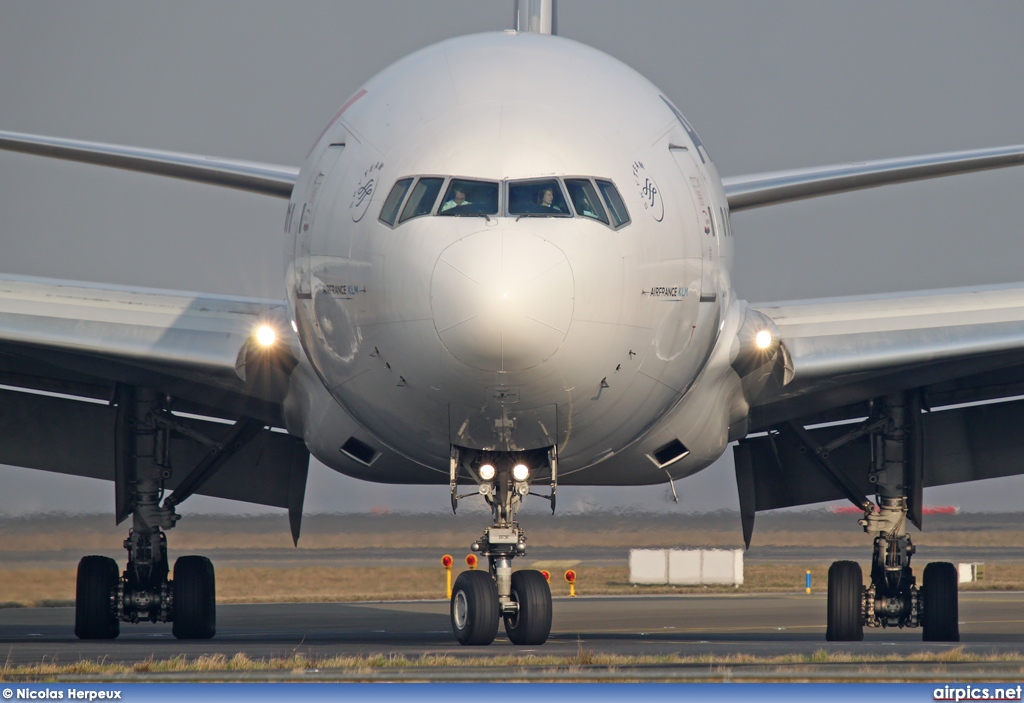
(458, 199)
(546, 199)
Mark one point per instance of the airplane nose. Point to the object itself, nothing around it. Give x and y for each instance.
(502, 301)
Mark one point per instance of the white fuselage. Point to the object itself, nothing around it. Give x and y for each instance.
(506, 332)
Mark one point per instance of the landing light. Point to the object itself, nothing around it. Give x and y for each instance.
(763, 339)
(520, 472)
(266, 336)
(487, 472)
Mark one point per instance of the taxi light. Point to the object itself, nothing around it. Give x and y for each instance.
(487, 472)
(520, 472)
(763, 339)
(266, 336)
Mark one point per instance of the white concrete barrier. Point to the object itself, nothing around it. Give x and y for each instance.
(971, 571)
(686, 567)
(649, 566)
(722, 567)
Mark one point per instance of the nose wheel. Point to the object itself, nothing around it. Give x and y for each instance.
(530, 622)
(481, 598)
(474, 608)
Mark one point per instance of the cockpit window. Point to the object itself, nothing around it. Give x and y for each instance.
(584, 199)
(591, 198)
(470, 198)
(541, 198)
(421, 202)
(389, 212)
(615, 205)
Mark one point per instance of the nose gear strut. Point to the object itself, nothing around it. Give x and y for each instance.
(522, 599)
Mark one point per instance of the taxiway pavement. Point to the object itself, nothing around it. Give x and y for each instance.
(713, 624)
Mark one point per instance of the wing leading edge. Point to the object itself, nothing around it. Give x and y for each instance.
(846, 350)
(265, 179)
(52, 331)
(759, 190)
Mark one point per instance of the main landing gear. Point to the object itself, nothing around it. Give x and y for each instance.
(521, 599)
(147, 590)
(892, 599)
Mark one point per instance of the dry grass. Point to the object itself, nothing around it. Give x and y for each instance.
(581, 660)
(35, 587)
(89, 533)
(198, 541)
(48, 540)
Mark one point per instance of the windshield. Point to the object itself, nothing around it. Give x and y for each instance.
(615, 204)
(394, 200)
(584, 199)
(542, 198)
(469, 198)
(421, 202)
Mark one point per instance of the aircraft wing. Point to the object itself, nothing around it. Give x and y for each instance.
(957, 358)
(65, 342)
(265, 179)
(960, 345)
(758, 190)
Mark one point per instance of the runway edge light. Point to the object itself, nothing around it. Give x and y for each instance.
(570, 578)
(446, 562)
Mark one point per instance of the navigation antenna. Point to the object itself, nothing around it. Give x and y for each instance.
(536, 16)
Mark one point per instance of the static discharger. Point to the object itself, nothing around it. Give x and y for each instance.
(446, 562)
(570, 578)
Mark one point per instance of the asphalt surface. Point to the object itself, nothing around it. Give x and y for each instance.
(763, 625)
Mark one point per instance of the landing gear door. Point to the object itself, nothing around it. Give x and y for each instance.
(307, 217)
(705, 221)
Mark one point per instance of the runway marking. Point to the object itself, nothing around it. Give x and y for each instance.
(699, 629)
(988, 622)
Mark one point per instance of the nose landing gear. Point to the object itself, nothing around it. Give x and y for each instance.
(521, 599)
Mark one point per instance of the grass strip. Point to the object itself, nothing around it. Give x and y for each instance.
(316, 584)
(584, 658)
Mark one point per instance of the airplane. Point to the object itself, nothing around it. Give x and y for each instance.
(505, 293)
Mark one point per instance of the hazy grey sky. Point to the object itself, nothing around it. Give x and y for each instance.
(767, 85)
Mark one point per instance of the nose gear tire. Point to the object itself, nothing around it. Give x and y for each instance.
(474, 608)
(95, 618)
(531, 624)
(941, 606)
(845, 593)
(195, 599)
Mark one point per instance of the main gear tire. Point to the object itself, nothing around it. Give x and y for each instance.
(940, 620)
(845, 595)
(195, 599)
(95, 614)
